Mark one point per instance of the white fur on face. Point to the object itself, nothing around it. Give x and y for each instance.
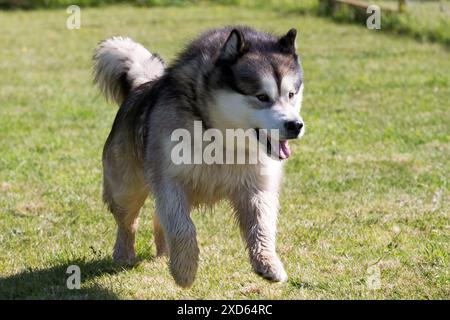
(234, 110)
(299, 98)
(298, 107)
(231, 110)
(284, 109)
(287, 85)
(270, 118)
(269, 87)
(275, 118)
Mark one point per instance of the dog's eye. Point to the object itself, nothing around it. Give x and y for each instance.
(263, 97)
(291, 95)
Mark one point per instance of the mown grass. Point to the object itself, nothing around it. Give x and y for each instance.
(367, 185)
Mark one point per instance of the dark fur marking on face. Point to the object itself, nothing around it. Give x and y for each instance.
(264, 55)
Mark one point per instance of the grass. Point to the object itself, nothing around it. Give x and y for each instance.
(368, 184)
(422, 20)
(32, 4)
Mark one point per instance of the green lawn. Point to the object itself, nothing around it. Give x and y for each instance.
(368, 184)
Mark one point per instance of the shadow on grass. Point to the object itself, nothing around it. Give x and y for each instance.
(50, 283)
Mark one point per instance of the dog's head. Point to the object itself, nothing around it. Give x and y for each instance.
(260, 85)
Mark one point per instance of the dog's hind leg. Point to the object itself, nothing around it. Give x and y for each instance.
(257, 216)
(124, 192)
(158, 233)
(172, 207)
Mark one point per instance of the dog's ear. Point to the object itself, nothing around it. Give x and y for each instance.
(233, 49)
(287, 42)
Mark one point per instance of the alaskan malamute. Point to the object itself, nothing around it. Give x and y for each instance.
(228, 78)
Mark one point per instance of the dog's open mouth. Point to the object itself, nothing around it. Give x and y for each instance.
(283, 152)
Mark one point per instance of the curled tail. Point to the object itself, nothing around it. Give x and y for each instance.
(121, 65)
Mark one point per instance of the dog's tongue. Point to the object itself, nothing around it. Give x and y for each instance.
(285, 152)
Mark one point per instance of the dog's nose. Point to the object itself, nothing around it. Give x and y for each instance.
(293, 128)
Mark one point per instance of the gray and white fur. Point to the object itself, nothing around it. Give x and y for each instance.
(228, 78)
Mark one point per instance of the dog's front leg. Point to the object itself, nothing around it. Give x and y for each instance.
(257, 215)
(172, 207)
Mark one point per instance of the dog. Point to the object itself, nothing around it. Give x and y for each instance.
(228, 78)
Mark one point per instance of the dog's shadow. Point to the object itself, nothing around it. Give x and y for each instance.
(51, 283)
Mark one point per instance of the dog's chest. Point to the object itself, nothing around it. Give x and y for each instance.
(207, 184)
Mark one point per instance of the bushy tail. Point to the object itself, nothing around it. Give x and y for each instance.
(121, 65)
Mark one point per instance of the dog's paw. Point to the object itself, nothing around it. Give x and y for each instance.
(183, 270)
(183, 261)
(183, 277)
(124, 257)
(271, 269)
